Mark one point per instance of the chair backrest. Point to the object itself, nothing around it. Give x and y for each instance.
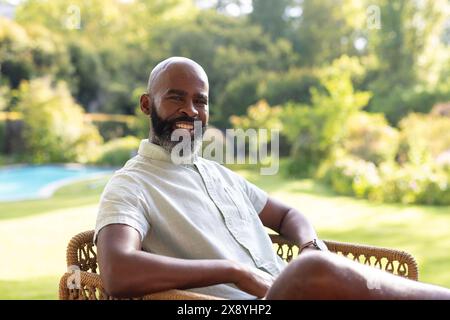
(81, 253)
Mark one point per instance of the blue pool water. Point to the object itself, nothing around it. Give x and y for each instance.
(30, 182)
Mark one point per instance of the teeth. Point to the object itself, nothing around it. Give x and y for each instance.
(184, 126)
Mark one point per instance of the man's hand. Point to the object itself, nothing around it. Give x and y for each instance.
(253, 280)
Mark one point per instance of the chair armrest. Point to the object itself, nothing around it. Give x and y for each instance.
(89, 287)
(394, 261)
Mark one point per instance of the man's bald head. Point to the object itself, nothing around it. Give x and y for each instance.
(178, 65)
(177, 96)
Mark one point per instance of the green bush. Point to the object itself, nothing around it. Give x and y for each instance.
(354, 177)
(421, 184)
(111, 129)
(398, 101)
(370, 138)
(54, 126)
(238, 94)
(118, 151)
(316, 130)
(390, 182)
(424, 137)
(291, 86)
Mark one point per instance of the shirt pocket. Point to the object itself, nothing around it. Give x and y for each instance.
(237, 202)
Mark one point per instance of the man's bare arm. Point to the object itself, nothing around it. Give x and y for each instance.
(287, 221)
(127, 271)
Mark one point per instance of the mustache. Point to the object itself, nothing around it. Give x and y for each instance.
(183, 118)
(163, 128)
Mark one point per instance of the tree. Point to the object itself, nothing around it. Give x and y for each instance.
(327, 29)
(315, 130)
(53, 126)
(408, 48)
(270, 16)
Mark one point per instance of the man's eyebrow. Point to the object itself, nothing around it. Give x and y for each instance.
(201, 96)
(176, 92)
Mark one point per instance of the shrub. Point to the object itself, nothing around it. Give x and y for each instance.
(291, 86)
(390, 182)
(54, 127)
(370, 138)
(398, 101)
(422, 184)
(113, 126)
(316, 130)
(118, 151)
(259, 116)
(353, 176)
(141, 126)
(424, 138)
(238, 94)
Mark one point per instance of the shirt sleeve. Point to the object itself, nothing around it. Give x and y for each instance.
(122, 203)
(257, 196)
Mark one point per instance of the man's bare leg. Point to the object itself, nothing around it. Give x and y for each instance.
(324, 275)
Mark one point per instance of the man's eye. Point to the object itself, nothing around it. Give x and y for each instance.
(176, 98)
(201, 103)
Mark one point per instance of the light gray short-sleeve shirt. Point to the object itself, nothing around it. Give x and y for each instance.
(190, 211)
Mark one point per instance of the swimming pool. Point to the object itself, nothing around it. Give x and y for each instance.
(40, 181)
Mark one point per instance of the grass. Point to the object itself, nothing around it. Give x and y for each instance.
(37, 232)
(34, 234)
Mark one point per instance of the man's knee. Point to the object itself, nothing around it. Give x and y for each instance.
(310, 276)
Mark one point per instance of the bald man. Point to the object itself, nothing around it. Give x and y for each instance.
(199, 226)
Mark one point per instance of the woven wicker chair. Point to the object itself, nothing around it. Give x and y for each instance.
(81, 255)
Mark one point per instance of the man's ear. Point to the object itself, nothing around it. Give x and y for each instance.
(145, 104)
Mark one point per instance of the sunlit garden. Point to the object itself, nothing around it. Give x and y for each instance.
(359, 92)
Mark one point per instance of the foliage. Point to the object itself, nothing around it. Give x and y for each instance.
(238, 94)
(398, 102)
(118, 151)
(420, 184)
(54, 128)
(2, 135)
(4, 97)
(327, 30)
(354, 176)
(141, 125)
(113, 126)
(31, 52)
(424, 137)
(369, 137)
(259, 116)
(408, 50)
(270, 16)
(316, 130)
(292, 86)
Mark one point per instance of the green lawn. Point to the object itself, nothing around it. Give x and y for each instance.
(34, 234)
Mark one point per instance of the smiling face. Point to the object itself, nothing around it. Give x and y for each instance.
(177, 96)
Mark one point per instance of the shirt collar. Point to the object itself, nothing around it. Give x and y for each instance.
(156, 152)
(153, 151)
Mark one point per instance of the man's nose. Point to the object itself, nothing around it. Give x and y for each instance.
(189, 110)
